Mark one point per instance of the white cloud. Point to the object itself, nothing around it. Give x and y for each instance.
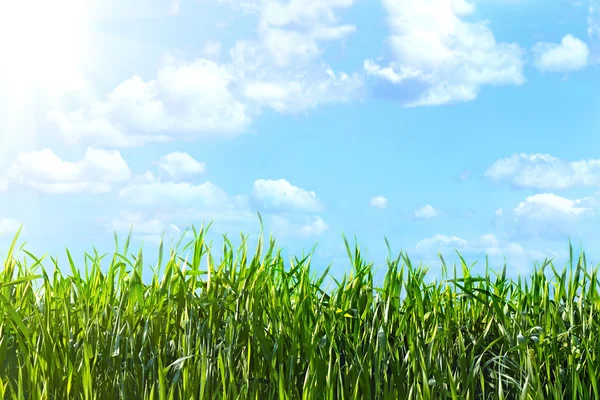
(425, 212)
(489, 240)
(280, 194)
(306, 91)
(9, 226)
(378, 202)
(547, 205)
(292, 225)
(315, 228)
(179, 165)
(291, 31)
(447, 58)
(499, 212)
(280, 69)
(543, 171)
(205, 195)
(186, 100)
(43, 170)
(571, 54)
(3, 184)
(141, 225)
(438, 241)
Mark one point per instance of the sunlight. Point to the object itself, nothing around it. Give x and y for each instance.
(42, 44)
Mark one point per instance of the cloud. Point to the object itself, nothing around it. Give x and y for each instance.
(141, 225)
(547, 205)
(425, 212)
(280, 194)
(293, 225)
(380, 202)
(440, 241)
(151, 229)
(43, 170)
(187, 100)
(542, 171)
(291, 31)
(9, 226)
(205, 195)
(191, 99)
(439, 58)
(290, 95)
(571, 54)
(3, 184)
(316, 227)
(180, 165)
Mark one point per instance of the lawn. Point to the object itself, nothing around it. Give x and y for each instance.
(254, 326)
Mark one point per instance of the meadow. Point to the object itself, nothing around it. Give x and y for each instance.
(255, 326)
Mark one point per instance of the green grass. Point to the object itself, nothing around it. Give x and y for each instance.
(252, 326)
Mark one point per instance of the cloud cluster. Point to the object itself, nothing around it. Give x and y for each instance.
(439, 58)
(196, 98)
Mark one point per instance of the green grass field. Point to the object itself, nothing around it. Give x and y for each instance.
(253, 326)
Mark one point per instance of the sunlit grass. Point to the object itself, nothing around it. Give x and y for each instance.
(251, 326)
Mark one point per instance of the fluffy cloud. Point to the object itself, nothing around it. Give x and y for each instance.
(190, 99)
(547, 205)
(549, 217)
(543, 171)
(380, 202)
(291, 31)
(441, 56)
(186, 100)
(43, 170)
(571, 54)
(9, 226)
(425, 212)
(314, 228)
(280, 194)
(180, 165)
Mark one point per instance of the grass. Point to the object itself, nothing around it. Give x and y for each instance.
(252, 327)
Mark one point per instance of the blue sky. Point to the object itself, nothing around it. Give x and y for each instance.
(438, 124)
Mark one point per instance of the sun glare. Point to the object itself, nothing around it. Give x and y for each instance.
(42, 44)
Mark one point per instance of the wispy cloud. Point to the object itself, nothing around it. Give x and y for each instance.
(542, 171)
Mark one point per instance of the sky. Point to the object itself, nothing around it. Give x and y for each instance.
(440, 125)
